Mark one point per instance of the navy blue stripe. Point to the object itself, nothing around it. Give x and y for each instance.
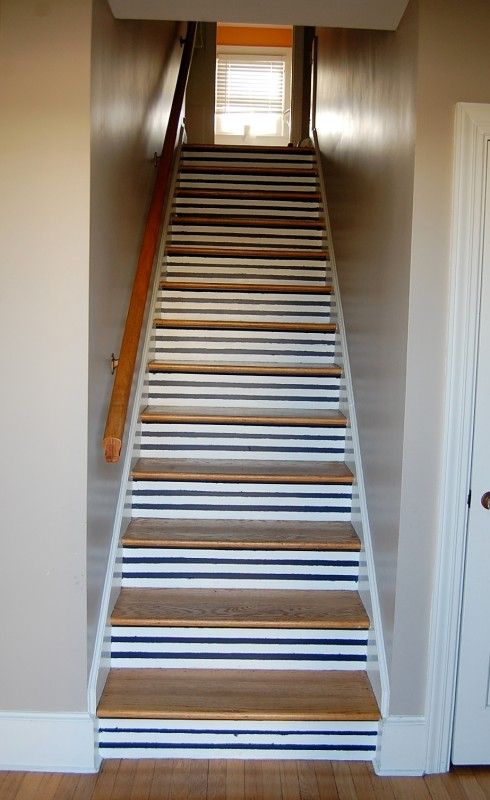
(233, 640)
(242, 656)
(348, 748)
(193, 492)
(259, 562)
(235, 732)
(204, 435)
(239, 576)
(223, 507)
(237, 449)
(261, 397)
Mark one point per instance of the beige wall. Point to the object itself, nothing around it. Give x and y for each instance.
(366, 125)
(134, 70)
(453, 66)
(44, 219)
(74, 196)
(394, 278)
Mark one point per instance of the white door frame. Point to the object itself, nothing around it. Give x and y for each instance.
(472, 135)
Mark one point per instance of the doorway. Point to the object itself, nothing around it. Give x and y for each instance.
(466, 355)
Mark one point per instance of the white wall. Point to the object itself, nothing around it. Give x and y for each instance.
(134, 70)
(44, 245)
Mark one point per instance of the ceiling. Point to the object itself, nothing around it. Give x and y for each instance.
(373, 14)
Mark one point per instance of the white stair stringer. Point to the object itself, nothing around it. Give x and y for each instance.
(242, 370)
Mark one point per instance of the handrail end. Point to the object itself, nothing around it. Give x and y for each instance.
(112, 449)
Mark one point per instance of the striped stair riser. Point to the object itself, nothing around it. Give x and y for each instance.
(254, 391)
(240, 307)
(218, 346)
(200, 569)
(247, 239)
(300, 209)
(350, 741)
(164, 440)
(237, 648)
(235, 181)
(207, 500)
(294, 161)
(242, 270)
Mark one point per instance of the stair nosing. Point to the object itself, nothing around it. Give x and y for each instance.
(258, 288)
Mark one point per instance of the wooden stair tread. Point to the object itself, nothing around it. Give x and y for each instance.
(248, 148)
(236, 416)
(237, 694)
(248, 471)
(223, 169)
(240, 608)
(246, 221)
(332, 371)
(249, 194)
(238, 325)
(237, 252)
(264, 288)
(241, 534)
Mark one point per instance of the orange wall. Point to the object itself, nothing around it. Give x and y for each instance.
(254, 37)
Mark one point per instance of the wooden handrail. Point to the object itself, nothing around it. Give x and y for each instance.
(118, 406)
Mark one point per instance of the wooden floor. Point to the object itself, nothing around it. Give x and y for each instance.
(242, 780)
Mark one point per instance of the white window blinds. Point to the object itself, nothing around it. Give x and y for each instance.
(250, 84)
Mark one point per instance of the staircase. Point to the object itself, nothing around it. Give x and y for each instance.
(239, 631)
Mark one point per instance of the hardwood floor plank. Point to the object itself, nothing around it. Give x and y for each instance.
(229, 471)
(161, 782)
(236, 416)
(11, 783)
(106, 779)
(124, 780)
(67, 787)
(308, 784)
(437, 788)
(254, 787)
(180, 779)
(289, 780)
(271, 779)
(145, 769)
(381, 786)
(235, 779)
(360, 779)
(343, 780)
(216, 779)
(332, 371)
(325, 780)
(248, 288)
(30, 786)
(85, 787)
(472, 789)
(198, 779)
(238, 694)
(246, 608)
(241, 534)
(409, 789)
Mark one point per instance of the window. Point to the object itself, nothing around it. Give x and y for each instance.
(252, 94)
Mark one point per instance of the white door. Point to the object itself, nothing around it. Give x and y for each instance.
(471, 738)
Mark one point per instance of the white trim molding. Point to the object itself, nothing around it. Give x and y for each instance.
(402, 749)
(472, 134)
(47, 742)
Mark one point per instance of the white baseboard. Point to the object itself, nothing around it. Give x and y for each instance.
(402, 748)
(47, 742)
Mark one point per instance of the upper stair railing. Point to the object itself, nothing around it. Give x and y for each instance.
(121, 390)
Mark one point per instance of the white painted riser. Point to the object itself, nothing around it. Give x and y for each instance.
(231, 347)
(159, 440)
(299, 209)
(237, 648)
(237, 739)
